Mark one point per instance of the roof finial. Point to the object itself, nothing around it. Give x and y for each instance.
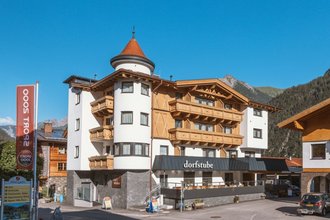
(133, 32)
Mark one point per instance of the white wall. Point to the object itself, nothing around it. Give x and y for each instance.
(308, 162)
(250, 122)
(81, 137)
(134, 67)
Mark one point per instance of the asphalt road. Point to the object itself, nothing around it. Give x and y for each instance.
(253, 210)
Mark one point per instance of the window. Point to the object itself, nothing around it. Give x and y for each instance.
(178, 123)
(126, 117)
(61, 166)
(163, 180)
(61, 150)
(207, 178)
(138, 149)
(126, 149)
(163, 150)
(144, 119)
(232, 154)
(249, 154)
(257, 112)
(257, 133)
(178, 95)
(209, 152)
(77, 126)
(76, 152)
(145, 89)
(203, 127)
(228, 106)
(227, 130)
(182, 151)
(77, 98)
(203, 101)
(107, 149)
(109, 121)
(229, 178)
(127, 87)
(318, 151)
(117, 149)
(189, 178)
(146, 149)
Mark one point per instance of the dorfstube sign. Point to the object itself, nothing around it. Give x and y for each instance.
(197, 165)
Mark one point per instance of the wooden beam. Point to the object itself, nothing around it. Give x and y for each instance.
(298, 125)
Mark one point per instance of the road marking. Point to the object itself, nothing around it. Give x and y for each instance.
(252, 217)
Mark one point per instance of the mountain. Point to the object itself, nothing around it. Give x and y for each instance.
(270, 91)
(284, 142)
(7, 133)
(255, 93)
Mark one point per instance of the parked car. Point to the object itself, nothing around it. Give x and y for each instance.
(314, 203)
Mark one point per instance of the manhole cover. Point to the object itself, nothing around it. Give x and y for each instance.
(216, 216)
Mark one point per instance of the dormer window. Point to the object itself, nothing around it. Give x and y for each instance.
(203, 101)
(257, 112)
(228, 106)
(127, 87)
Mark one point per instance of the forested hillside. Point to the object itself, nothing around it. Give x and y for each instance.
(284, 142)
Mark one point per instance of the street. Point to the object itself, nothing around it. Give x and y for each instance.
(253, 210)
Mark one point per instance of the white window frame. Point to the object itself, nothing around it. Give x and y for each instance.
(77, 124)
(257, 131)
(142, 122)
(76, 151)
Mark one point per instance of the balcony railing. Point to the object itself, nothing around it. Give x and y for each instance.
(196, 110)
(198, 137)
(102, 106)
(104, 133)
(104, 162)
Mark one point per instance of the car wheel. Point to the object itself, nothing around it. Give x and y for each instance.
(324, 212)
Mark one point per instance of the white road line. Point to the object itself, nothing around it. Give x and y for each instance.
(252, 217)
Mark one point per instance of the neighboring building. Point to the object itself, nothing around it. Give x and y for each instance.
(123, 128)
(314, 123)
(52, 147)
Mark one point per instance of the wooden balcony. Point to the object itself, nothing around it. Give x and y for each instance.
(104, 162)
(99, 134)
(204, 138)
(204, 112)
(103, 106)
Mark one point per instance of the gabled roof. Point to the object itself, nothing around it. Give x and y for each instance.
(295, 121)
(217, 82)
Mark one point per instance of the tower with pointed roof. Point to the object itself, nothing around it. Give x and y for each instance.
(133, 58)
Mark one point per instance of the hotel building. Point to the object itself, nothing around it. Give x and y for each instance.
(133, 132)
(314, 124)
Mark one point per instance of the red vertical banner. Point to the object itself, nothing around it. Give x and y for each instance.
(25, 127)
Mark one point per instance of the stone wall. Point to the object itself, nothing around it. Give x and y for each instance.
(137, 187)
(70, 186)
(60, 184)
(306, 181)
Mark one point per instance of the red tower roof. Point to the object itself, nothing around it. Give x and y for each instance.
(133, 48)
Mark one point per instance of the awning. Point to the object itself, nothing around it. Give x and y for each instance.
(163, 162)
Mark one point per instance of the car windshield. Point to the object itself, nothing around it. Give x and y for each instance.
(311, 198)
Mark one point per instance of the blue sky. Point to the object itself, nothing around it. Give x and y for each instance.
(264, 43)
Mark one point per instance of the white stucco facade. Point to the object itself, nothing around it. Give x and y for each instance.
(81, 137)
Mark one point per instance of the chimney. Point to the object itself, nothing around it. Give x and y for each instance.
(48, 127)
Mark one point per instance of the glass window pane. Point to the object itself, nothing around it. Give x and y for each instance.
(126, 149)
(127, 117)
(146, 149)
(144, 89)
(138, 149)
(163, 150)
(127, 87)
(144, 119)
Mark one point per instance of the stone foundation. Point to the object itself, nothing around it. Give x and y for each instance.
(306, 179)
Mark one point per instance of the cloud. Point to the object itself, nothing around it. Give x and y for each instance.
(7, 121)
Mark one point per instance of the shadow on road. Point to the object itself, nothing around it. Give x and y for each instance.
(289, 210)
(97, 214)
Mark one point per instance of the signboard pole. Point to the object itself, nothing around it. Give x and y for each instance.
(2, 197)
(35, 178)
